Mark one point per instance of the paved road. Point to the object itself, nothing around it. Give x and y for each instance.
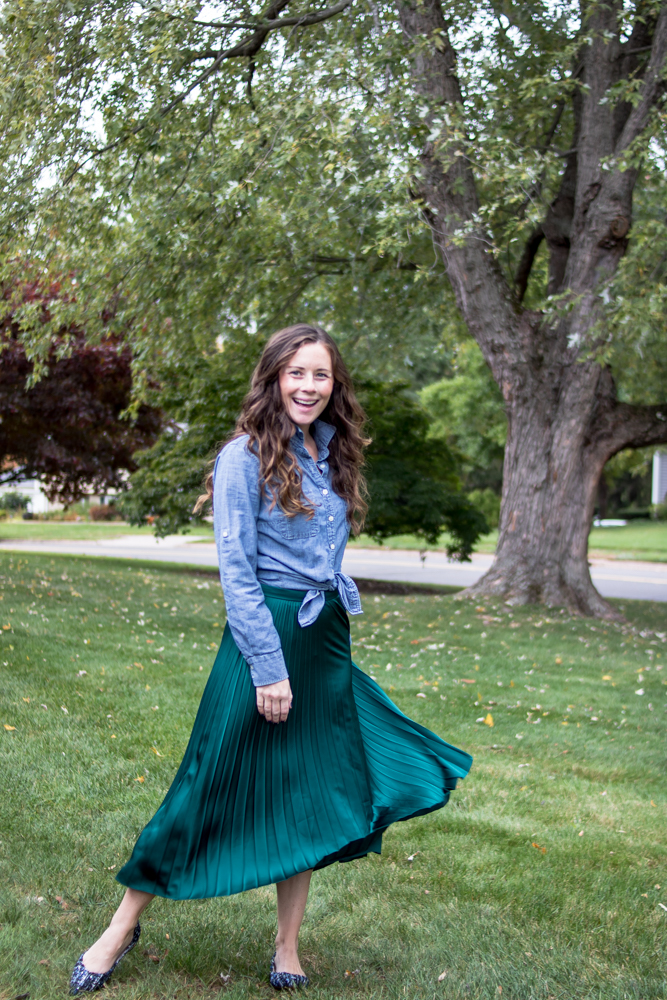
(613, 578)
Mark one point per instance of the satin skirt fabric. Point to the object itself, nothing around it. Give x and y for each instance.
(255, 802)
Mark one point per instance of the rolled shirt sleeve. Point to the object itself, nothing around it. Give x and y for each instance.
(236, 505)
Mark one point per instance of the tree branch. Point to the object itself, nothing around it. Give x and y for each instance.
(246, 48)
(447, 188)
(635, 426)
(654, 85)
(526, 263)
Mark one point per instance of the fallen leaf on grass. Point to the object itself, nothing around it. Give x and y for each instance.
(42, 961)
(663, 906)
(443, 975)
(219, 982)
(63, 903)
(420, 694)
(488, 721)
(348, 974)
(9, 728)
(156, 958)
(140, 778)
(156, 751)
(543, 849)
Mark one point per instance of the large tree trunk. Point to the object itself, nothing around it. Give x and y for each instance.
(550, 480)
(557, 447)
(564, 417)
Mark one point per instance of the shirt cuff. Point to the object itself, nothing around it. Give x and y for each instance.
(268, 668)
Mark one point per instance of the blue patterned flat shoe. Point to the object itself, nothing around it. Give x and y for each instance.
(286, 980)
(83, 981)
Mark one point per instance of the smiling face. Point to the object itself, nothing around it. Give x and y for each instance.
(306, 383)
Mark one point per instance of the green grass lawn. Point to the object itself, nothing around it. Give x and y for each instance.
(542, 878)
(84, 531)
(637, 540)
(16, 528)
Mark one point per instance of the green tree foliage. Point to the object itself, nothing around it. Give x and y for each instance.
(203, 194)
(14, 501)
(412, 479)
(467, 410)
(203, 396)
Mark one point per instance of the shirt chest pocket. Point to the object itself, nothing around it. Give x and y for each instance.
(298, 526)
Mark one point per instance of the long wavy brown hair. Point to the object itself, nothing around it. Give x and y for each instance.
(264, 419)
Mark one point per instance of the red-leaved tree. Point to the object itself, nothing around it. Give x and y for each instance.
(68, 428)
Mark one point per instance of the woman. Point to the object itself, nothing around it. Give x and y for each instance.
(296, 759)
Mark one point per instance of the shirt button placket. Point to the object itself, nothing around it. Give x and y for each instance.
(332, 544)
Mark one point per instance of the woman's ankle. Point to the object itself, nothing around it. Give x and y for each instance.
(287, 947)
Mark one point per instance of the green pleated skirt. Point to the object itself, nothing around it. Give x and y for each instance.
(255, 802)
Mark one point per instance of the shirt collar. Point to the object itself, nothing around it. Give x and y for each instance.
(322, 433)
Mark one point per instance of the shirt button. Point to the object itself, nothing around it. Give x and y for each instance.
(331, 517)
(224, 534)
(324, 492)
(332, 546)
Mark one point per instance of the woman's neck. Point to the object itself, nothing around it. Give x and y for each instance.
(309, 441)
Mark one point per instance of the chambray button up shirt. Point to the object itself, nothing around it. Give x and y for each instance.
(257, 545)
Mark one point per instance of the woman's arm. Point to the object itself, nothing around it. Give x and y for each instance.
(236, 506)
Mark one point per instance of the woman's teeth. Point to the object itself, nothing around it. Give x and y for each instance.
(305, 402)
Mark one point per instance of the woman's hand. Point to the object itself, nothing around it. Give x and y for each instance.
(274, 700)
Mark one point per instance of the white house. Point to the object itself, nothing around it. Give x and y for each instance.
(659, 486)
(32, 488)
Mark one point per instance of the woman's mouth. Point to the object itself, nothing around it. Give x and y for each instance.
(306, 403)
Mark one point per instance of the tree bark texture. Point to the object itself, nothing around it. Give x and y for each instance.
(564, 418)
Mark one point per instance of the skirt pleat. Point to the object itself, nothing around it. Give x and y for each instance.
(254, 803)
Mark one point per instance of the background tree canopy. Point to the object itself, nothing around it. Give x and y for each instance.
(413, 482)
(389, 169)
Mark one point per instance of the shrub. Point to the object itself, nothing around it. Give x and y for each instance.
(14, 501)
(105, 512)
(488, 502)
(659, 511)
